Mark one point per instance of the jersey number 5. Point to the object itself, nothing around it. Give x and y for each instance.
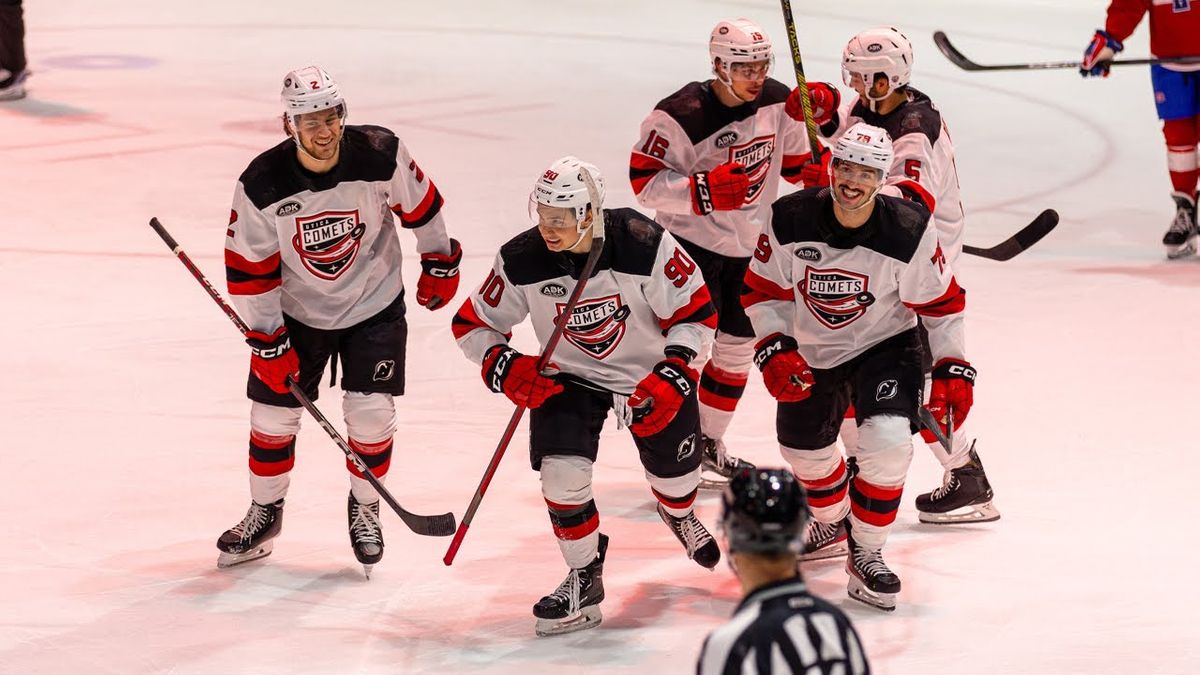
(912, 169)
(679, 268)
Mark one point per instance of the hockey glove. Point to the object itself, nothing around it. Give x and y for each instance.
(817, 174)
(786, 374)
(1098, 56)
(952, 391)
(722, 189)
(272, 359)
(825, 99)
(508, 371)
(659, 396)
(439, 277)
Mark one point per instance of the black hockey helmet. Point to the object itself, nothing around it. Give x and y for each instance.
(764, 511)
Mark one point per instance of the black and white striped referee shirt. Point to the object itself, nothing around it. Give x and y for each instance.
(782, 628)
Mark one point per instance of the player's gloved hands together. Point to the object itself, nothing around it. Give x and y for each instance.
(508, 371)
(951, 391)
(272, 359)
(825, 99)
(817, 174)
(786, 374)
(439, 277)
(1098, 56)
(722, 189)
(660, 395)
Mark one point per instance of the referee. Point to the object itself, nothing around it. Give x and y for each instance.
(779, 627)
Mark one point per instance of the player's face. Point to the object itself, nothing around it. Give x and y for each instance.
(320, 133)
(854, 184)
(748, 78)
(557, 225)
(878, 86)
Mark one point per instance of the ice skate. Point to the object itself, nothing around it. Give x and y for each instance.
(717, 466)
(696, 540)
(252, 538)
(964, 497)
(824, 540)
(1180, 239)
(12, 85)
(871, 582)
(366, 534)
(575, 605)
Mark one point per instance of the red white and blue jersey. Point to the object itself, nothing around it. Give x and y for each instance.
(644, 294)
(322, 248)
(839, 291)
(692, 131)
(1174, 27)
(923, 168)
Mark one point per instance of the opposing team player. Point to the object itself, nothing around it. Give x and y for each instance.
(313, 262)
(779, 627)
(643, 316)
(709, 161)
(837, 282)
(877, 64)
(1174, 31)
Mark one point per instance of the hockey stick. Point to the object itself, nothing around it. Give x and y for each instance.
(957, 58)
(1024, 238)
(430, 526)
(935, 428)
(802, 84)
(560, 324)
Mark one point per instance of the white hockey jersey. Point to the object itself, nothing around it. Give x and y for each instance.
(322, 247)
(840, 291)
(692, 131)
(644, 294)
(923, 168)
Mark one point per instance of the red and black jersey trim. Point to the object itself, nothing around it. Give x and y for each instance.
(430, 206)
(699, 309)
(915, 192)
(467, 320)
(756, 289)
(953, 301)
(872, 503)
(643, 169)
(793, 166)
(573, 521)
(245, 277)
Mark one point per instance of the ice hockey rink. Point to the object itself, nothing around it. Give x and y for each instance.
(125, 423)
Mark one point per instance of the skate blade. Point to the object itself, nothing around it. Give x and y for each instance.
(838, 549)
(718, 483)
(367, 571)
(857, 591)
(1177, 252)
(975, 513)
(230, 559)
(588, 617)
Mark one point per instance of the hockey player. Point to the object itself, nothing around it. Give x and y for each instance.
(643, 316)
(313, 263)
(709, 160)
(12, 51)
(877, 64)
(779, 627)
(837, 282)
(1174, 31)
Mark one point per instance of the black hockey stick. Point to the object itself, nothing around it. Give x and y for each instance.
(1024, 238)
(560, 325)
(805, 100)
(957, 58)
(430, 526)
(932, 425)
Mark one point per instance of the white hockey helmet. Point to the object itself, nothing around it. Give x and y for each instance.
(310, 89)
(739, 41)
(562, 186)
(883, 49)
(866, 145)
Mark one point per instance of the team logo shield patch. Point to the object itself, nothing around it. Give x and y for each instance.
(597, 325)
(836, 297)
(756, 157)
(328, 242)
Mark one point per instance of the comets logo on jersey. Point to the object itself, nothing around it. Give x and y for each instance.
(756, 157)
(836, 297)
(328, 242)
(597, 325)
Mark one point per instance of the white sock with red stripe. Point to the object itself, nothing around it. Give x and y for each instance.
(677, 495)
(822, 472)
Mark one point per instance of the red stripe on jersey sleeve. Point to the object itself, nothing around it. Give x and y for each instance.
(268, 265)
(467, 320)
(696, 304)
(792, 166)
(915, 192)
(759, 289)
(642, 169)
(430, 204)
(253, 286)
(953, 301)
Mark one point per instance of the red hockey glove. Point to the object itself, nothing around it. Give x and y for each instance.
(825, 99)
(508, 371)
(439, 277)
(722, 189)
(785, 372)
(817, 175)
(952, 391)
(272, 359)
(660, 395)
(1098, 56)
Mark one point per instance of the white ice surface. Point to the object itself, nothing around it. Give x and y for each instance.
(124, 421)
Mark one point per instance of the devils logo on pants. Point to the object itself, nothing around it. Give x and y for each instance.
(597, 325)
(834, 296)
(328, 242)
